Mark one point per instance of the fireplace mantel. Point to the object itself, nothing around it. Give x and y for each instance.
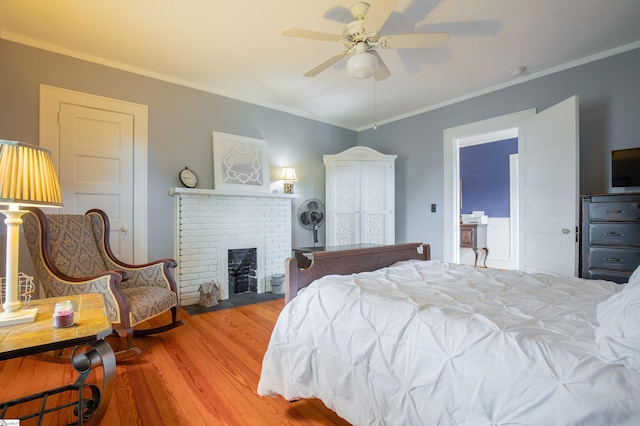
(209, 222)
(226, 192)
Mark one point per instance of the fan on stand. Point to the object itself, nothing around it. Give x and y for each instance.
(311, 216)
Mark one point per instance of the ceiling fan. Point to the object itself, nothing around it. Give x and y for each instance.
(361, 38)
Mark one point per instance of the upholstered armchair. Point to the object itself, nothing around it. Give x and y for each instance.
(71, 255)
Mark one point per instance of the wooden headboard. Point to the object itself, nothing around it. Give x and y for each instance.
(345, 262)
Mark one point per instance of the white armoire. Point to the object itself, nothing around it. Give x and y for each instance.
(360, 197)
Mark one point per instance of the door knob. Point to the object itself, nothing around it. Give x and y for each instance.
(566, 231)
(124, 232)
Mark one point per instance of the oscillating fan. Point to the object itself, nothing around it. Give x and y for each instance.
(311, 216)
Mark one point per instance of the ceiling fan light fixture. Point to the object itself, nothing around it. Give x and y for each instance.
(361, 65)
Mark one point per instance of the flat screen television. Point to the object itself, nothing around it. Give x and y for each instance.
(625, 167)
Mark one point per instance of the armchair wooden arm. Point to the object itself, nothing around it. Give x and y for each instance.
(151, 273)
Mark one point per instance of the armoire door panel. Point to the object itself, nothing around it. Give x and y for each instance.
(360, 197)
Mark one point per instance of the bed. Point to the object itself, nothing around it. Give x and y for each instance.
(384, 337)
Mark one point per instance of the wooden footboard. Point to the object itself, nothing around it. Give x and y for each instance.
(344, 262)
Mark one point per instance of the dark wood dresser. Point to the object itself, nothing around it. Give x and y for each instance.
(610, 236)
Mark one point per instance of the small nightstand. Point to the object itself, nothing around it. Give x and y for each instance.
(474, 236)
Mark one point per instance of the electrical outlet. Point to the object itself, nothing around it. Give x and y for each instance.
(433, 208)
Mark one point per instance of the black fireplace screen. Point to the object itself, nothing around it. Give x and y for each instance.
(243, 267)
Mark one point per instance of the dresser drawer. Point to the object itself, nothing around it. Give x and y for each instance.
(615, 211)
(614, 234)
(616, 259)
(467, 237)
(473, 235)
(616, 277)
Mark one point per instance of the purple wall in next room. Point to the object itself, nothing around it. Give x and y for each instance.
(484, 170)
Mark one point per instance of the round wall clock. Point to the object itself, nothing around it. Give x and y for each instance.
(188, 178)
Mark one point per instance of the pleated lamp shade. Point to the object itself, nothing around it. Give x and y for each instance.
(28, 176)
(288, 174)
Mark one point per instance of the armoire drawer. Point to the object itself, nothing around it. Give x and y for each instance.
(616, 259)
(614, 234)
(615, 211)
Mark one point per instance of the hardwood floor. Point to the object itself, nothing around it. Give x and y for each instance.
(203, 373)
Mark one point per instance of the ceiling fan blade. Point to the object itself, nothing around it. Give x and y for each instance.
(382, 72)
(338, 14)
(378, 14)
(326, 64)
(314, 35)
(409, 41)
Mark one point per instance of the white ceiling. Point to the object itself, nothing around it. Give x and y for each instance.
(235, 48)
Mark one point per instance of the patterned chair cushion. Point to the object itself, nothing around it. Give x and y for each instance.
(148, 302)
(73, 247)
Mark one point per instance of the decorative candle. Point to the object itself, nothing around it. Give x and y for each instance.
(63, 314)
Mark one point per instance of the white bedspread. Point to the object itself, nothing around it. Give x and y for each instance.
(426, 343)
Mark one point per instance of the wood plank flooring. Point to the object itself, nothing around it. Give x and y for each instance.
(203, 373)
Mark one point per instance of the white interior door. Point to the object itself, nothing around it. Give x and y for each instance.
(96, 169)
(548, 184)
(99, 146)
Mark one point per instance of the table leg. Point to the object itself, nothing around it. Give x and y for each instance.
(101, 354)
(486, 254)
(476, 251)
(86, 408)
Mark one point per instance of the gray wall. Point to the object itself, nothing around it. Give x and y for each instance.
(181, 122)
(609, 99)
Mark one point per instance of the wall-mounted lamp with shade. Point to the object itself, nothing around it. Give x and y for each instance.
(288, 175)
(27, 178)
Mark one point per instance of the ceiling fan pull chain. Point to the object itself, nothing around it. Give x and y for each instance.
(375, 104)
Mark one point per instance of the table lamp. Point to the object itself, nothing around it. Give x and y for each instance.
(288, 175)
(27, 178)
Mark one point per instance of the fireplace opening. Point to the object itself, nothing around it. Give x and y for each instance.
(243, 268)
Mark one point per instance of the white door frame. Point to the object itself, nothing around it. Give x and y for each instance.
(50, 100)
(452, 138)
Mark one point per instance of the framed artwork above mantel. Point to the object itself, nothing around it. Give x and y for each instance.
(240, 163)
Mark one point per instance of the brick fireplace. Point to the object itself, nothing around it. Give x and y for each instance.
(209, 223)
